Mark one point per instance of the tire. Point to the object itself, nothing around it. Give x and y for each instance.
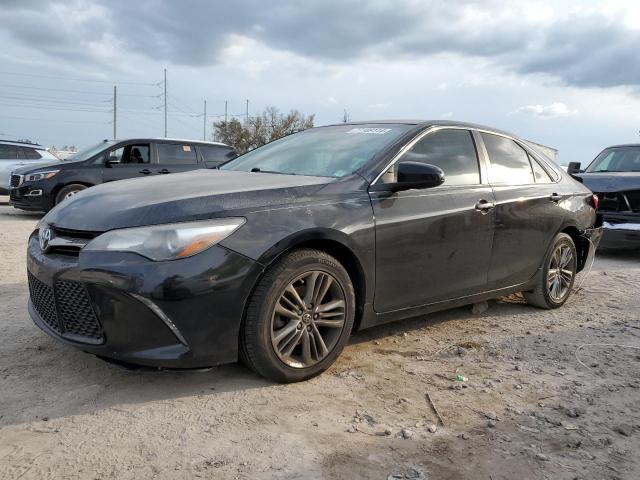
(544, 295)
(263, 343)
(69, 191)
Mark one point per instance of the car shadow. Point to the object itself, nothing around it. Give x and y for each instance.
(48, 379)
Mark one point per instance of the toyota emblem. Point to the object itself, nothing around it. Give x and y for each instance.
(44, 236)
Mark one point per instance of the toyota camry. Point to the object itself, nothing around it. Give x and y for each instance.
(278, 256)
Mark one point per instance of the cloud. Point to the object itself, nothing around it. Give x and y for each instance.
(571, 41)
(544, 112)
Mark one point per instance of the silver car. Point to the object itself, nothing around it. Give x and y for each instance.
(14, 155)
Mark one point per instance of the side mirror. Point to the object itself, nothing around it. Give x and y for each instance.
(417, 175)
(574, 167)
(110, 163)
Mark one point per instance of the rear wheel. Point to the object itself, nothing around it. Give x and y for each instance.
(299, 317)
(558, 275)
(69, 191)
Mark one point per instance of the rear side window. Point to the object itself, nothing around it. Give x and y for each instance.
(29, 153)
(8, 152)
(509, 161)
(214, 155)
(452, 150)
(176, 154)
(540, 174)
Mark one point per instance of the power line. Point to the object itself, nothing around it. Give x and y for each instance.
(60, 77)
(10, 117)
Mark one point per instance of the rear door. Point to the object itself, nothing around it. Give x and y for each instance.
(434, 244)
(528, 212)
(175, 157)
(129, 160)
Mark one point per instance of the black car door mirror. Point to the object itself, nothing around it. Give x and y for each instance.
(574, 167)
(414, 175)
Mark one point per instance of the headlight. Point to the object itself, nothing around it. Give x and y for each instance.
(34, 177)
(167, 242)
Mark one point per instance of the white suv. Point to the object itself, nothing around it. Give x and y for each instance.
(14, 155)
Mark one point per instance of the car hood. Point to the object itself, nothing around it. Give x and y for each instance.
(180, 197)
(611, 181)
(40, 167)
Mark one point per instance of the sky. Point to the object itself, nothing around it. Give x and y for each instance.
(562, 73)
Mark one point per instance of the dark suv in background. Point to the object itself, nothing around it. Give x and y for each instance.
(40, 189)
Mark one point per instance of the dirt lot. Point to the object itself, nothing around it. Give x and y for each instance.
(546, 397)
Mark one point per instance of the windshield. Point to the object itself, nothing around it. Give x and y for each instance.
(334, 151)
(620, 159)
(89, 152)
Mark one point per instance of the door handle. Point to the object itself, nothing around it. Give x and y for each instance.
(484, 206)
(146, 171)
(163, 171)
(554, 197)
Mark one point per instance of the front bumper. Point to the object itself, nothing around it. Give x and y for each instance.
(33, 197)
(621, 231)
(175, 314)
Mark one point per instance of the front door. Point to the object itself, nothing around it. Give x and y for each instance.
(128, 161)
(528, 211)
(434, 244)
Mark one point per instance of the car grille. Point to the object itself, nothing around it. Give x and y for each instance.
(68, 311)
(628, 201)
(16, 180)
(69, 242)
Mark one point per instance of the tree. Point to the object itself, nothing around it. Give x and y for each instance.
(257, 131)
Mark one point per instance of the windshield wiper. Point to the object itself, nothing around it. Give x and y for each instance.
(257, 170)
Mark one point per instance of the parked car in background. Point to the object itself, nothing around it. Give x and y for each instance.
(278, 255)
(40, 189)
(15, 155)
(614, 176)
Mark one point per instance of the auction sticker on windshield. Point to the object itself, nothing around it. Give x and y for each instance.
(373, 131)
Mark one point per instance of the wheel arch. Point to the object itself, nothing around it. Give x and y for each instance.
(581, 243)
(64, 185)
(334, 243)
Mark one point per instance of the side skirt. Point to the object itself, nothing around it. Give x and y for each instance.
(371, 318)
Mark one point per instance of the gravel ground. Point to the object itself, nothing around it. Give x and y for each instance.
(546, 396)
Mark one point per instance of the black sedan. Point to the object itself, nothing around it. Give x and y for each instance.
(280, 255)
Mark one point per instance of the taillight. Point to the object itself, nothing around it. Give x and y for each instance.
(596, 201)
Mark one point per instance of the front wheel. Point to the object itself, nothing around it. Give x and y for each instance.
(69, 191)
(299, 317)
(558, 275)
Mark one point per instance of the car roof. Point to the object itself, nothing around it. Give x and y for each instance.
(163, 139)
(22, 144)
(625, 145)
(429, 123)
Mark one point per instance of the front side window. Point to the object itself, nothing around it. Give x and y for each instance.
(334, 151)
(130, 155)
(176, 154)
(509, 161)
(452, 150)
(620, 159)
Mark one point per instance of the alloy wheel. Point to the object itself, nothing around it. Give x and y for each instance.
(308, 319)
(71, 194)
(560, 273)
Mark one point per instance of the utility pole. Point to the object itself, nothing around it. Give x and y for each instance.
(165, 103)
(225, 111)
(204, 123)
(247, 111)
(115, 110)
